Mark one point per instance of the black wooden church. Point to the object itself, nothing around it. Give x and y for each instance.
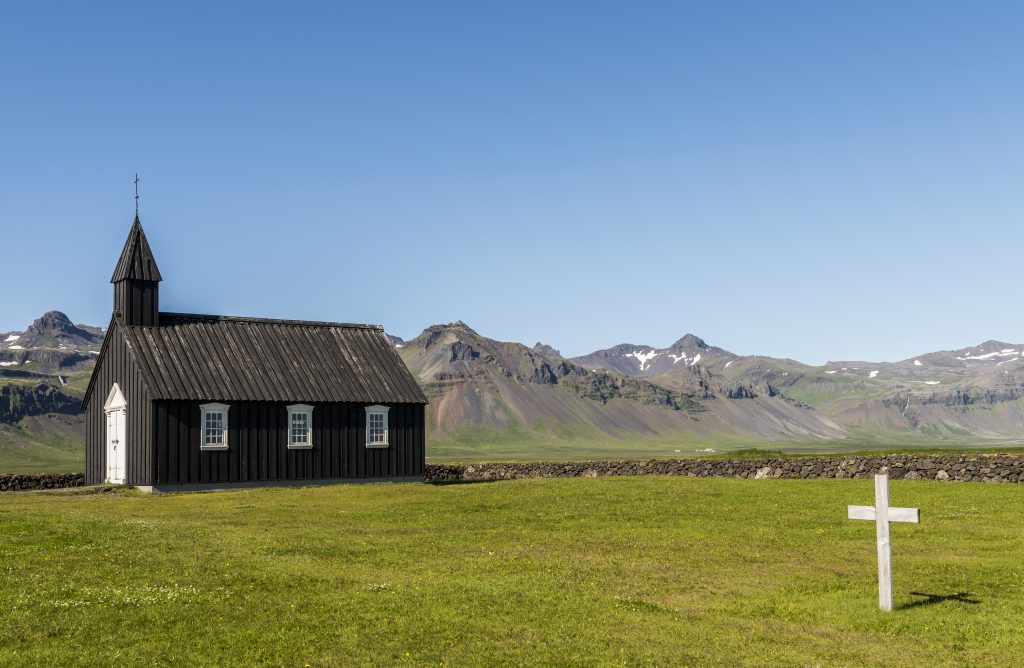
(182, 401)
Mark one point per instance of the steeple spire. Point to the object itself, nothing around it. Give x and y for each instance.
(137, 261)
(136, 281)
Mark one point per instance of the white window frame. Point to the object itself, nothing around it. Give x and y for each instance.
(204, 410)
(377, 410)
(300, 409)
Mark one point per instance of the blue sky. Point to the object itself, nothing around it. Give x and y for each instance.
(810, 180)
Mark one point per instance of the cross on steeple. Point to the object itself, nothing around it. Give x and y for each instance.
(136, 194)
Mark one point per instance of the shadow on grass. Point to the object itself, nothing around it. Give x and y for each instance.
(932, 599)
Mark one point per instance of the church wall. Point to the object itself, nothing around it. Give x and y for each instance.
(258, 451)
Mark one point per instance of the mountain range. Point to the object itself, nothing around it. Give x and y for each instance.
(494, 399)
(968, 394)
(706, 393)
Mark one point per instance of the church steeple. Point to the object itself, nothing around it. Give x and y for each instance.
(136, 281)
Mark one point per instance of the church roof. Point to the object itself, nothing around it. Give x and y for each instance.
(137, 261)
(210, 358)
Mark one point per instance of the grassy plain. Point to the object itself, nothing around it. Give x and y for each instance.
(603, 571)
(504, 448)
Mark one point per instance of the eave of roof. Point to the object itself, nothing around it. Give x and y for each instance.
(166, 317)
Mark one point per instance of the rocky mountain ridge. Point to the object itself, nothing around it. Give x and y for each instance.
(475, 382)
(633, 360)
(21, 401)
(988, 371)
(933, 396)
(52, 342)
(456, 351)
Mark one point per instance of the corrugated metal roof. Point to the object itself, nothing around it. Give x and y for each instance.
(136, 261)
(208, 357)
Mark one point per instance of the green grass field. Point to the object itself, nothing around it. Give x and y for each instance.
(602, 571)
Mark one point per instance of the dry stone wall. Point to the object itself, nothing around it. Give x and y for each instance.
(965, 468)
(16, 483)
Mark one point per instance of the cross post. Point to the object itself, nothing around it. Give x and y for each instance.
(882, 514)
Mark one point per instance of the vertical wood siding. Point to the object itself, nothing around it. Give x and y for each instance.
(258, 450)
(138, 302)
(118, 366)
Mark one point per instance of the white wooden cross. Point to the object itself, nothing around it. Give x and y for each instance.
(882, 514)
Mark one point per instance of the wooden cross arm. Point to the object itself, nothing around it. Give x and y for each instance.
(912, 515)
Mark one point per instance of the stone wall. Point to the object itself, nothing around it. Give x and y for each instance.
(13, 483)
(966, 468)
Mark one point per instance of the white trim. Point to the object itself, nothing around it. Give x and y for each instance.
(115, 400)
(300, 409)
(378, 410)
(213, 408)
(116, 409)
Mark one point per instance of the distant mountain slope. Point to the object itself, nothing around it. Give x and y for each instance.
(509, 390)
(971, 393)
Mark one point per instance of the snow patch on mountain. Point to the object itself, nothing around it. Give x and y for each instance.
(1007, 352)
(690, 361)
(642, 357)
(12, 337)
(917, 362)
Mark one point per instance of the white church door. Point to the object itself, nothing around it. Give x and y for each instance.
(116, 409)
